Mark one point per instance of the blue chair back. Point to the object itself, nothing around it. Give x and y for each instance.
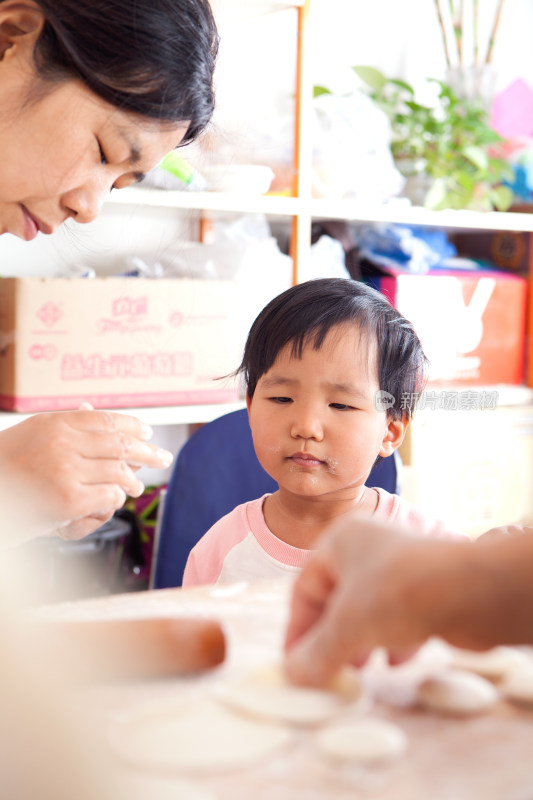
(216, 470)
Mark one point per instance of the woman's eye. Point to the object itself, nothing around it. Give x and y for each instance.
(103, 159)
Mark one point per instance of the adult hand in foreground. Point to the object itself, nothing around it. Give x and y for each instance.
(369, 585)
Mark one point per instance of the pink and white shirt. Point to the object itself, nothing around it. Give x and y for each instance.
(240, 546)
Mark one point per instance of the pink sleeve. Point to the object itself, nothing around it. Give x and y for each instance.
(206, 558)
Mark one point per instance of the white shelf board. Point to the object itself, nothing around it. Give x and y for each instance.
(154, 416)
(208, 201)
(189, 415)
(402, 213)
(354, 211)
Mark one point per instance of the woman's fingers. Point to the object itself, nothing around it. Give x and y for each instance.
(79, 528)
(110, 435)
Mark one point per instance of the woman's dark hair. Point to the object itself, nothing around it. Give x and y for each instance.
(153, 57)
(305, 313)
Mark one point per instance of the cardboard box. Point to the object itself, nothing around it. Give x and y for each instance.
(472, 324)
(117, 342)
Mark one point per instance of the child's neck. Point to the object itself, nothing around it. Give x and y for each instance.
(300, 521)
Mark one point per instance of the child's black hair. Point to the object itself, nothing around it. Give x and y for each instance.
(305, 313)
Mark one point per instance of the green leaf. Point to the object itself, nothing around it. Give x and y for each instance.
(501, 197)
(401, 85)
(477, 156)
(319, 90)
(371, 76)
(436, 195)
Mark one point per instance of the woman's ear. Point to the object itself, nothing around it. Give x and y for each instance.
(20, 25)
(394, 436)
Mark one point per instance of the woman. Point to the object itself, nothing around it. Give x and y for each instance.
(92, 96)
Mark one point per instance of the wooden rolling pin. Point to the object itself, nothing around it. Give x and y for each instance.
(96, 650)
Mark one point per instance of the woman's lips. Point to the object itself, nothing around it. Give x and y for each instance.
(32, 225)
(31, 228)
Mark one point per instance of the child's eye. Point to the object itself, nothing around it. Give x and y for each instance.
(103, 159)
(341, 406)
(281, 400)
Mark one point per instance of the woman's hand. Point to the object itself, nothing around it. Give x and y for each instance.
(368, 585)
(67, 472)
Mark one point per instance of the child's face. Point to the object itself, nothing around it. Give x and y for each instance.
(314, 421)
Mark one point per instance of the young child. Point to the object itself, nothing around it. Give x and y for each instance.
(332, 374)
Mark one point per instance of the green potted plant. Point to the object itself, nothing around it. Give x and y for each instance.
(449, 146)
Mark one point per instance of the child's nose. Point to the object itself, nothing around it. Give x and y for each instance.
(307, 425)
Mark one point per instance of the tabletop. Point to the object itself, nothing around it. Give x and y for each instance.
(487, 756)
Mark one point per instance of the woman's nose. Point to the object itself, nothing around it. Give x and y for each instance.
(85, 203)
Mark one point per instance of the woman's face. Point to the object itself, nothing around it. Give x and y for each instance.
(64, 150)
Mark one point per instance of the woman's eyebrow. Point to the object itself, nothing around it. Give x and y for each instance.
(135, 155)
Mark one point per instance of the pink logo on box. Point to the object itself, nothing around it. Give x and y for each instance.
(45, 352)
(130, 306)
(49, 314)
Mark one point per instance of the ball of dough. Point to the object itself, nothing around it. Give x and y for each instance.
(266, 693)
(493, 664)
(518, 685)
(456, 692)
(366, 741)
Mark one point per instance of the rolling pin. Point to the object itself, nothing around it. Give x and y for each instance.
(96, 650)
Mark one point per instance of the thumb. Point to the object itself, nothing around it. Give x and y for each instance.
(315, 658)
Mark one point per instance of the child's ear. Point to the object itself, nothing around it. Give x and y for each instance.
(394, 436)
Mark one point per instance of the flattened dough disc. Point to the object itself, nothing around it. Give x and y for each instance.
(197, 738)
(266, 693)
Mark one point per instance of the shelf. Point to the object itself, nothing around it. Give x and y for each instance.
(189, 415)
(207, 201)
(154, 416)
(401, 213)
(398, 212)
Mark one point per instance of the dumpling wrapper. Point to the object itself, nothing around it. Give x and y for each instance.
(197, 738)
(266, 693)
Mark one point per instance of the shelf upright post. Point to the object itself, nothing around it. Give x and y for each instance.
(300, 242)
(529, 314)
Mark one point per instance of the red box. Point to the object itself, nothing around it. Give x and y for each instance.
(472, 324)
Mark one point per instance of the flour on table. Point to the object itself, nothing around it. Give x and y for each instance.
(456, 692)
(266, 693)
(366, 741)
(140, 786)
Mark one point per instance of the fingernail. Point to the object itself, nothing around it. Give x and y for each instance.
(165, 457)
(146, 432)
(139, 490)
